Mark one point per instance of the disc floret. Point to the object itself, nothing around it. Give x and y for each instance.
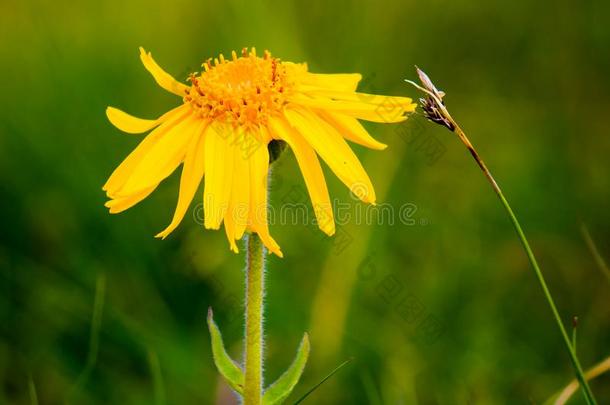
(244, 91)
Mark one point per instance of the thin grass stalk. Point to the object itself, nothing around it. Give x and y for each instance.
(588, 394)
(436, 111)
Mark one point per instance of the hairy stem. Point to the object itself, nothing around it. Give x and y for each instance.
(255, 292)
(530, 255)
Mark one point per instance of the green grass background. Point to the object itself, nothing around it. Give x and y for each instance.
(527, 80)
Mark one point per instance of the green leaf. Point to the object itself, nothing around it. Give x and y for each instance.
(281, 389)
(94, 338)
(224, 363)
(339, 367)
(32, 390)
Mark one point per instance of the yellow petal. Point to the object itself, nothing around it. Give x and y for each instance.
(133, 125)
(230, 232)
(386, 113)
(259, 172)
(219, 174)
(312, 172)
(236, 217)
(121, 204)
(399, 102)
(351, 129)
(388, 108)
(121, 174)
(192, 173)
(162, 158)
(334, 150)
(240, 196)
(162, 78)
(339, 81)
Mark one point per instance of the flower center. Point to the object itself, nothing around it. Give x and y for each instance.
(245, 91)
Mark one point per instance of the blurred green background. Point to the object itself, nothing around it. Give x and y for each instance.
(441, 310)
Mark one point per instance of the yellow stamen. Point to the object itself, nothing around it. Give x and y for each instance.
(243, 92)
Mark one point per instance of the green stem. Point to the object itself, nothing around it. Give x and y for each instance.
(255, 291)
(601, 263)
(530, 255)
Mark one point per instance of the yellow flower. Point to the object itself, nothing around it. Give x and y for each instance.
(230, 113)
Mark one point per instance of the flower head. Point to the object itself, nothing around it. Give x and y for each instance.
(230, 112)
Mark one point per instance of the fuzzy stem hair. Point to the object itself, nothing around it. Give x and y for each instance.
(255, 294)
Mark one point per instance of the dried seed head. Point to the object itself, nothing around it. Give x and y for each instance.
(432, 104)
(433, 113)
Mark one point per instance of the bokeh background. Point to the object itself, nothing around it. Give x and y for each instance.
(439, 309)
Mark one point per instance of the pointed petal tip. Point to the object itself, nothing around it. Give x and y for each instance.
(162, 235)
(166, 232)
(328, 230)
(276, 251)
(381, 146)
(231, 238)
(109, 111)
(273, 247)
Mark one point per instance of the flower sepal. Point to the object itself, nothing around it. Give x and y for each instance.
(277, 392)
(227, 367)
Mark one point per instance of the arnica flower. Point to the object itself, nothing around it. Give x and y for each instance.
(229, 114)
